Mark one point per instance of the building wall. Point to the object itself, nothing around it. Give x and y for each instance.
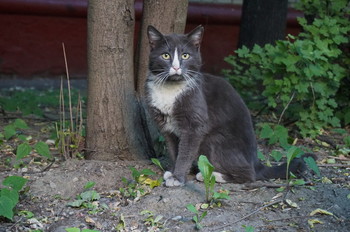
(32, 33)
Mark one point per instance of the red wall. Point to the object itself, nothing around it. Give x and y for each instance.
(32, 33)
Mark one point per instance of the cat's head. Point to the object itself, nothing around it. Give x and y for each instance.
(174, 57)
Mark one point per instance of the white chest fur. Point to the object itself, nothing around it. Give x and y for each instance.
(163, 97)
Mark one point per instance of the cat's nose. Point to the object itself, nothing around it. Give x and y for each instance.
(176, 68)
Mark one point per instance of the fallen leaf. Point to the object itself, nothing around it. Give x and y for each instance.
(320, 211)
(291, 203)
(311, 222)
(325, 180)
(331, 161)
(277, 196)
(90, 220)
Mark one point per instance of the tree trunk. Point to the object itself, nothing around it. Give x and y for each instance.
(113, 117)
(262, 22)
(168, 17)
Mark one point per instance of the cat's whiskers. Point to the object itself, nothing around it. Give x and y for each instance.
(191, 79)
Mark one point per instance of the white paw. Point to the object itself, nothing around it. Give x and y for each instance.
(199, 177)
(167, 175)
(219, 178)
(170, 180)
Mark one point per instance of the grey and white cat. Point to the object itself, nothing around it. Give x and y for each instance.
(198, 113)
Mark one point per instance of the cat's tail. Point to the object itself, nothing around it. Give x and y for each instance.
(297, 166)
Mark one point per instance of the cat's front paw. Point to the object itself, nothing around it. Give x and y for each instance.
(170, 180)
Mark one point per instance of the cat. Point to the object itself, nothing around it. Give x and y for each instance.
(198, 113)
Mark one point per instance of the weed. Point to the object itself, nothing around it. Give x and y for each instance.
(138, 186)
(9, 196)
(157, 162)
(70, 138)
(152, 223)
(88, 199)
(198, 217)
(207, 169)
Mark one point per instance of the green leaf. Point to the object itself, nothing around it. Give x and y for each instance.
(205, 167)
(276, 155)
(218, 196)
(192, 208)
(6, 207)
(89, 185)
(73, 229)
(311, 163)
(43, 149)
(19, 123)
(9, 131)
(147, 172)
(76, 203)
(23, 150)
(15, 182)
(26, 213)
(11, 194)
(90, 195)
(157, 162)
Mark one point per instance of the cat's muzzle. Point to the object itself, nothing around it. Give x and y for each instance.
(175, 78)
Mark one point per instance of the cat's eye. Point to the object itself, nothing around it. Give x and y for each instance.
(165, 56)
(185, 56)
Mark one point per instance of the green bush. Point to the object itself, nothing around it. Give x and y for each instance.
(304, 77)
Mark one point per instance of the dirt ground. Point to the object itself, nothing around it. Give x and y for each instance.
(51, 189)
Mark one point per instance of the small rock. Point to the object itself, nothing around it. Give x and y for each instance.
(50, 142)
(53, 185)
(75, 179)
(177, 218)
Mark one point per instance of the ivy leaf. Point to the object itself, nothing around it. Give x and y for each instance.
(43, 149)
(23, 150)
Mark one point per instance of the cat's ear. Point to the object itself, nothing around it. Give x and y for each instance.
(196, 36)
(154, 36)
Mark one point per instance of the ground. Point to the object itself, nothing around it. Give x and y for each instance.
(52, 186)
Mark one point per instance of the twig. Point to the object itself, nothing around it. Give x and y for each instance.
(289, 218)
(271, 185)
(285, 108)
(43, 170)
(250, 214)
(334, 165)
(68, 84)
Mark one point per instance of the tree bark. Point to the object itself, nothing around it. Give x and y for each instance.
(262, 22)
(113, 119)
(168, 17)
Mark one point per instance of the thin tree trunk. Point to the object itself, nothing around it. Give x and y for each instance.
(112, 109)
(168, 17)
(263, 21)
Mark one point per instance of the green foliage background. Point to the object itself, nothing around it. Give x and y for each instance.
(306, 77)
